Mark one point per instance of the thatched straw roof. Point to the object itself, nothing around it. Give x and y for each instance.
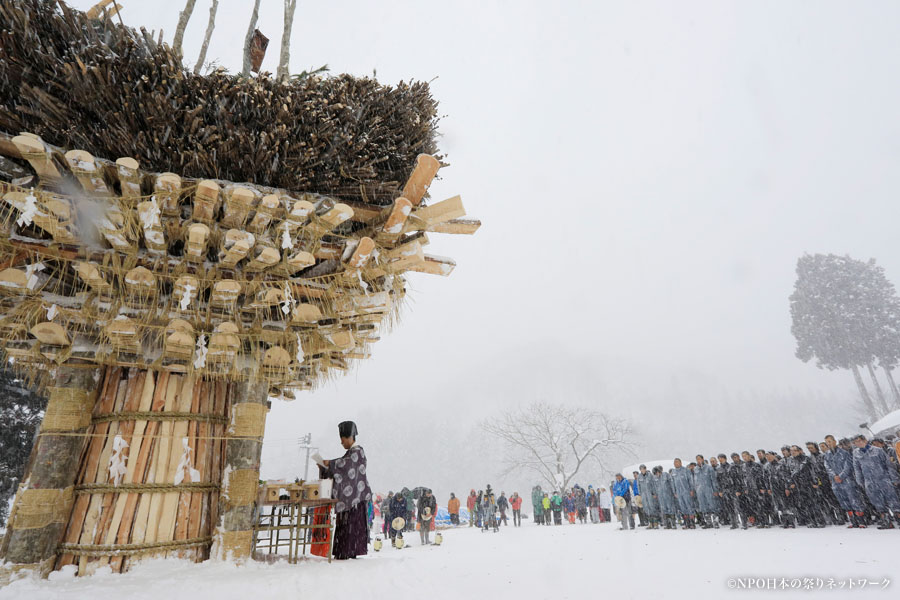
(113, 91)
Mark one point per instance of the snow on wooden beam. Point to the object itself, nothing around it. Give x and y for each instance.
(426, 168)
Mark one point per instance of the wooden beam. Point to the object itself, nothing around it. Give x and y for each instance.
(426, 168)
(455, 226)
(434, 265)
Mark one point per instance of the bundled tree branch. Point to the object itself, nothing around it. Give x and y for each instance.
(112, 91)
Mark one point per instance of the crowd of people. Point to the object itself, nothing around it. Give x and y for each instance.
(853, 482)
(577, 505)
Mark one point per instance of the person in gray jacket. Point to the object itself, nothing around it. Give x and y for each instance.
(876, 476)
(684, 493)
(839, 466)
(665, 496)
(706, 487)
(647, 486)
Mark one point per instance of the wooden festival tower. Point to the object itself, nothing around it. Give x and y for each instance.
(161, 310)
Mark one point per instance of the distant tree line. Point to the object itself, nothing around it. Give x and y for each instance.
(846, 315)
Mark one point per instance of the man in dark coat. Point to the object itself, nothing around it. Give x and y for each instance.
(790, 509)
(398, 509)
(823, 494)
(725, 494)
(757, 495)
(802, 486)
(739, 490)
(503, 506)
(426, 512)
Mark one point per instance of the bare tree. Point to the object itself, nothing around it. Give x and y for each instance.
(555, 441)
(209, 29)
(248, 41)
(183, 18)
(284, 59)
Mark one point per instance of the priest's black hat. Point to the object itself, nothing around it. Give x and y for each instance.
(347, 429)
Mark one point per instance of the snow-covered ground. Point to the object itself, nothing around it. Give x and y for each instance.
(570, 561)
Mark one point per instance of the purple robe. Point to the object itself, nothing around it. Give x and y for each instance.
(352, 492)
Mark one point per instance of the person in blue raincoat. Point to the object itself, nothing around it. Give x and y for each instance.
(878, 478)
(647, 487)
(621, 488)
(706, 488)
(839, 466)
(665, 496)
(684, 493)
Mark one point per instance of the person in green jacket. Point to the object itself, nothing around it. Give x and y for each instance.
(537, 504)
(556, 504)
(410, 509)
(545, 504)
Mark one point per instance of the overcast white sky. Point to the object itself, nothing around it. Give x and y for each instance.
(647, 175)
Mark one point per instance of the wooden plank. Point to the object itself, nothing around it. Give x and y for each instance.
(434, 265)
(38, 156)
(199, 445)
(456, 226)
(95, 466)
(170, 504)
(123, 429)
(135, 472)
(443, 211)
(148, 457)
(88, 463)
(161, 472)
(426, 168)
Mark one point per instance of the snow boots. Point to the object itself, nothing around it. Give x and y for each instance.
(885, 522)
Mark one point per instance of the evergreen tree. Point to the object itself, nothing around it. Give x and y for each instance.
(21, 411)
(845, 314)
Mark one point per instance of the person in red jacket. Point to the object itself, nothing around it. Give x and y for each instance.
(470, 505)
(515, 501)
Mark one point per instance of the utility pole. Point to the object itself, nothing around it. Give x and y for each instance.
(306, 442)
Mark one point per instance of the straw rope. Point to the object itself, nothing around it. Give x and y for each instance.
(129, 549)
(144, 488)
(38, 508)
(160, 416)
